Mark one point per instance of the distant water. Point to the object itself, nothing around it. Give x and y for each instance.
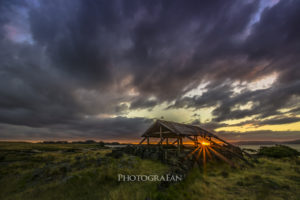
(115, 145)
(256, 147)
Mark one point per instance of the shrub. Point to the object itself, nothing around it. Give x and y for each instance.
(278, 151)
(101, 144)
(115, 154)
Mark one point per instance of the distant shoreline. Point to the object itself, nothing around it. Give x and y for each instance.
(265, 142)
(254, 142)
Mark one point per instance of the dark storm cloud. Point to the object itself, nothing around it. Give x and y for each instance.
(263, 135)
(119, 128)
(277, 32)
(272, 121)
(141, 103)
(32, 94)
(73, 39)
(210, 126)
(176, 50)
(93, 40)
(266, 102)
(216, 93)
(113, 128)
(255, 122)
(81, 59)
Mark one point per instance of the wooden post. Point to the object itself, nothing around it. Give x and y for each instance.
(167, 141)
(160, 135)
(161, 141)
(148, 140)
(160, 132)
(178, 145)
(193, 139)
(181, 146)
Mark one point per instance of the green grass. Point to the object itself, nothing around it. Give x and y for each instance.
(83, 171)
(53, 172)
(270, 179)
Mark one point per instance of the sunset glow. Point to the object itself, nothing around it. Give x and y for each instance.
(205, 143)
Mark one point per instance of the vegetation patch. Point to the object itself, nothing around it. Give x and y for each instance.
(278, 151)
(91, 172)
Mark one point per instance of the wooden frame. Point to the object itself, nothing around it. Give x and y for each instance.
(206, 145)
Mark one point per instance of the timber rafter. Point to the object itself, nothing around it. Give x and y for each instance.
(206, 145)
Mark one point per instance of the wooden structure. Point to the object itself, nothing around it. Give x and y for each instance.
(202, 143)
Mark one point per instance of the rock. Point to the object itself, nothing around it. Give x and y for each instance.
(82, 165)
(35, 151)
(129, 149)
(70, 150)
(48, 179)
(147, 154)
(115, 154)
(132, 160)
(65, 168)
(78, 158)
(100, 161)
(224, 174)
(154, 156)
(66, 179)
(37, 173)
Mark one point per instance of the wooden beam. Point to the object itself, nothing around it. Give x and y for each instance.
(199, 153)
(142, 140)
(209, 154)
(164, 135)
(189, 137)
(160, 142)
(167, 141)
(162, 132)
(148, 140)
(171, 129)
(231, 151)
(193, 139)
(196, 160)
(219, 155)
(192, 152)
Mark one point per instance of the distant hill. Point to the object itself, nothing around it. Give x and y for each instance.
(292, 142)
(266, 142)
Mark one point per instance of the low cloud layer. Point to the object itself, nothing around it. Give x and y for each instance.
(78, 68)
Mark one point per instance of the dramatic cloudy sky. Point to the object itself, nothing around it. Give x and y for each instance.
(87, 69)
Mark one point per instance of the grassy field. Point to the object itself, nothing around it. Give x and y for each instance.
(83, 171)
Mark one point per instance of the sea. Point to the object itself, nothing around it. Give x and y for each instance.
(256, 147)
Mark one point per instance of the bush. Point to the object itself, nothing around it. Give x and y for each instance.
(115, 154)
(278, 151)
(101, 144)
